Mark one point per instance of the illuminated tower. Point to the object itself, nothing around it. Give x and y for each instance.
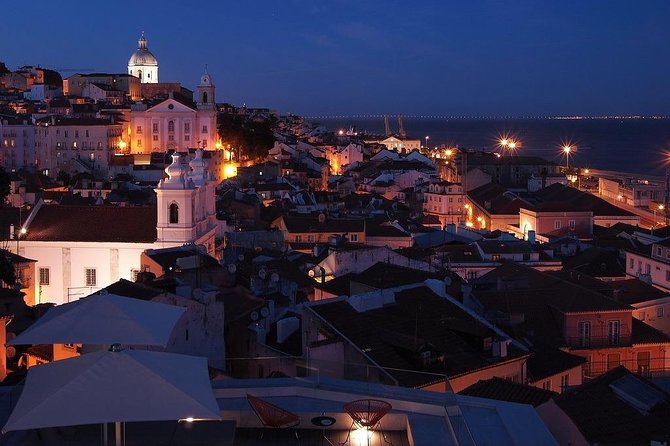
(206, 92)
(143, 63)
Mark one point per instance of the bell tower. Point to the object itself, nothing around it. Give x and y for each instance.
(206, 93)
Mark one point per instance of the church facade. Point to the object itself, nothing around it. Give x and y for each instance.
(176, 123)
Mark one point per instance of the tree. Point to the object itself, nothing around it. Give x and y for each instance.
(255, 136)
(4, 186)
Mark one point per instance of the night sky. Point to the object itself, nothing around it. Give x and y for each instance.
(325, 57)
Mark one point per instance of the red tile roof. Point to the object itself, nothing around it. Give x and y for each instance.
(93, 224)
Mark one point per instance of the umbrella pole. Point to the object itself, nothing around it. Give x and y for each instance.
(117, 433)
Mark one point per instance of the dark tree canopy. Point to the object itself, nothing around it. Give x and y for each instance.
(4, 186)
(253, 136)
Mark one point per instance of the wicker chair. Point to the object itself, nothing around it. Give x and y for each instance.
(367, 414)
(272, 416)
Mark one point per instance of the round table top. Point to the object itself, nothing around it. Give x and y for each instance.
(323, 421)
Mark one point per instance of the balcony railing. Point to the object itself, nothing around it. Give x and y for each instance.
(602, 340)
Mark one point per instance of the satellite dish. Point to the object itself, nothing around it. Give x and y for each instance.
(232, 268)
(254, 316)
(265, 312)
(11, 351)
(274, 278)
(262, 273)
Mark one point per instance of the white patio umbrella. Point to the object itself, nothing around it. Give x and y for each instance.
(104, 319)
(115, 386)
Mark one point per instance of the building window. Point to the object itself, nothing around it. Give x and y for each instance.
(133, 274)
(155, 127)
(631, 265)
(170, 137)
(613, 360)
(155, 138)
(174, 213)
(298, 238)
(557, 224)
(91, 156)
(546, 385)
(171, 126)
(659, 312)
(353, 237)
(659, 251)
(139, 143)
(571, 223)
(138, 130)
(187, 127)
(204, 129)
(647, 268)
(495, 258)
(643, 363)
(565, 381)
(187, 137)
(584, 333)
(44, 276)
(586, 367)
(91, 277)
(613, 332)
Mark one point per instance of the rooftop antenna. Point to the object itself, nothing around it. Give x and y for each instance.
(401, 127)
(387, 126)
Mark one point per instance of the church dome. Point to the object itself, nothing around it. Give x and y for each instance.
(142, 56)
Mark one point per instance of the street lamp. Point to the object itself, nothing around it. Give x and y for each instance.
(427, 138)
(660, 208)
(567, 149)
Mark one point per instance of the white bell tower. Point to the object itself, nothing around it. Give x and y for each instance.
(206, 93)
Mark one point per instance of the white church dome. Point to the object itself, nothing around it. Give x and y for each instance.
(142, 56)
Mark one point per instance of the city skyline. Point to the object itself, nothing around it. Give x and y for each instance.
(342, 57)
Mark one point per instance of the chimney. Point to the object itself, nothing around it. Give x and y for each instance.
(531, 236)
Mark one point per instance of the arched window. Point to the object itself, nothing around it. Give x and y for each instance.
(174, 213)
(170, 126)
(139, 74)
(204, 97)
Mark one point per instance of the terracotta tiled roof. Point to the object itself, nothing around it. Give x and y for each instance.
(603, 417)
(392, 335)
(93, 224)
(505, 390)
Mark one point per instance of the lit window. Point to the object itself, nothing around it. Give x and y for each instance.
(91, 279)
(92, 156)
(354, 237)
(44, 276)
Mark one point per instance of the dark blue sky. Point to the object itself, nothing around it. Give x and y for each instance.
(329, 57)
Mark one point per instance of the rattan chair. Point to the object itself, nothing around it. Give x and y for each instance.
(273, 417)
(367, 414)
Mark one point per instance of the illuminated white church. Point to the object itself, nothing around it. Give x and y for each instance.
(81, 249)
(143, 64)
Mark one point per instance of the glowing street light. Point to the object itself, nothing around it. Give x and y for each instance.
(567, 149)
(427, 138)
